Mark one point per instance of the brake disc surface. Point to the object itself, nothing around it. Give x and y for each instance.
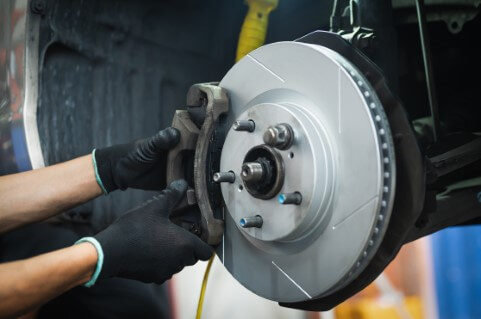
(341, 162)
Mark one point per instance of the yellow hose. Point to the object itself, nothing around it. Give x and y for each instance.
(254, 28)
(203, 288)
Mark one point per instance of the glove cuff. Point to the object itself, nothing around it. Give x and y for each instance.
(103, 171)
(100, 259)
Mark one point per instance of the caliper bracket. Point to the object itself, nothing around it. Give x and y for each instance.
(206, 143)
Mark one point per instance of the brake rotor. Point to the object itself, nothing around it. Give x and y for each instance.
(329, 160)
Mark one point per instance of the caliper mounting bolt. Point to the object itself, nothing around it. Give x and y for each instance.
(251, 221)
(224, 177)
(279, 136)
(244, 126)
(290, 198)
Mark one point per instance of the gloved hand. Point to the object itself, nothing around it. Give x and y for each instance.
(145, 245)
(140, 164)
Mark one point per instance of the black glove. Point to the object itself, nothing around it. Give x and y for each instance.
(145, 245)
(140, 164)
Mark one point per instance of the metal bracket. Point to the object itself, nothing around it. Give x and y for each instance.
(199, 141)
(360, 37)
(189, 134)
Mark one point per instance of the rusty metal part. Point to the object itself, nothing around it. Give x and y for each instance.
(189, 134)
(200, 141)
(217, 104)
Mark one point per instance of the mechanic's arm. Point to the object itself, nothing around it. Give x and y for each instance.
(29, 283)
(37, 195)
(142, 244)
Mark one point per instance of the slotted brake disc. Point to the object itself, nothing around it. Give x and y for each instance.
(312, 154)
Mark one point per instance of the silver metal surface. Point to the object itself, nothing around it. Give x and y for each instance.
(341, 161)
(20, 146)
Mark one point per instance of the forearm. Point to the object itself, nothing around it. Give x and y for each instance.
(39, 194)
(27, 284)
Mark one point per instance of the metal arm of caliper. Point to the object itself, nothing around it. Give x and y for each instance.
(196, 157)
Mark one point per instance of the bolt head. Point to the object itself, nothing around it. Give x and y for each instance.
(279, 136)
(270, 136)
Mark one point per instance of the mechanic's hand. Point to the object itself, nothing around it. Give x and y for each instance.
(145, 245)
(140, 164)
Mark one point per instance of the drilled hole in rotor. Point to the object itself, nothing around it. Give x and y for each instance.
(291, 155)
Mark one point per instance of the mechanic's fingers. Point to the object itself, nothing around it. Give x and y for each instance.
(202, 250)
(173, 194)
(165, 139)
(152, 149)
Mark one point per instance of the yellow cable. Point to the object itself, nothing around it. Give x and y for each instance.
(254, 28)
(203, 288)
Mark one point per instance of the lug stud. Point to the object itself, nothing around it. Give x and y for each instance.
(224, 177)
(290, 198)
(251, 221)
(244, 126)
